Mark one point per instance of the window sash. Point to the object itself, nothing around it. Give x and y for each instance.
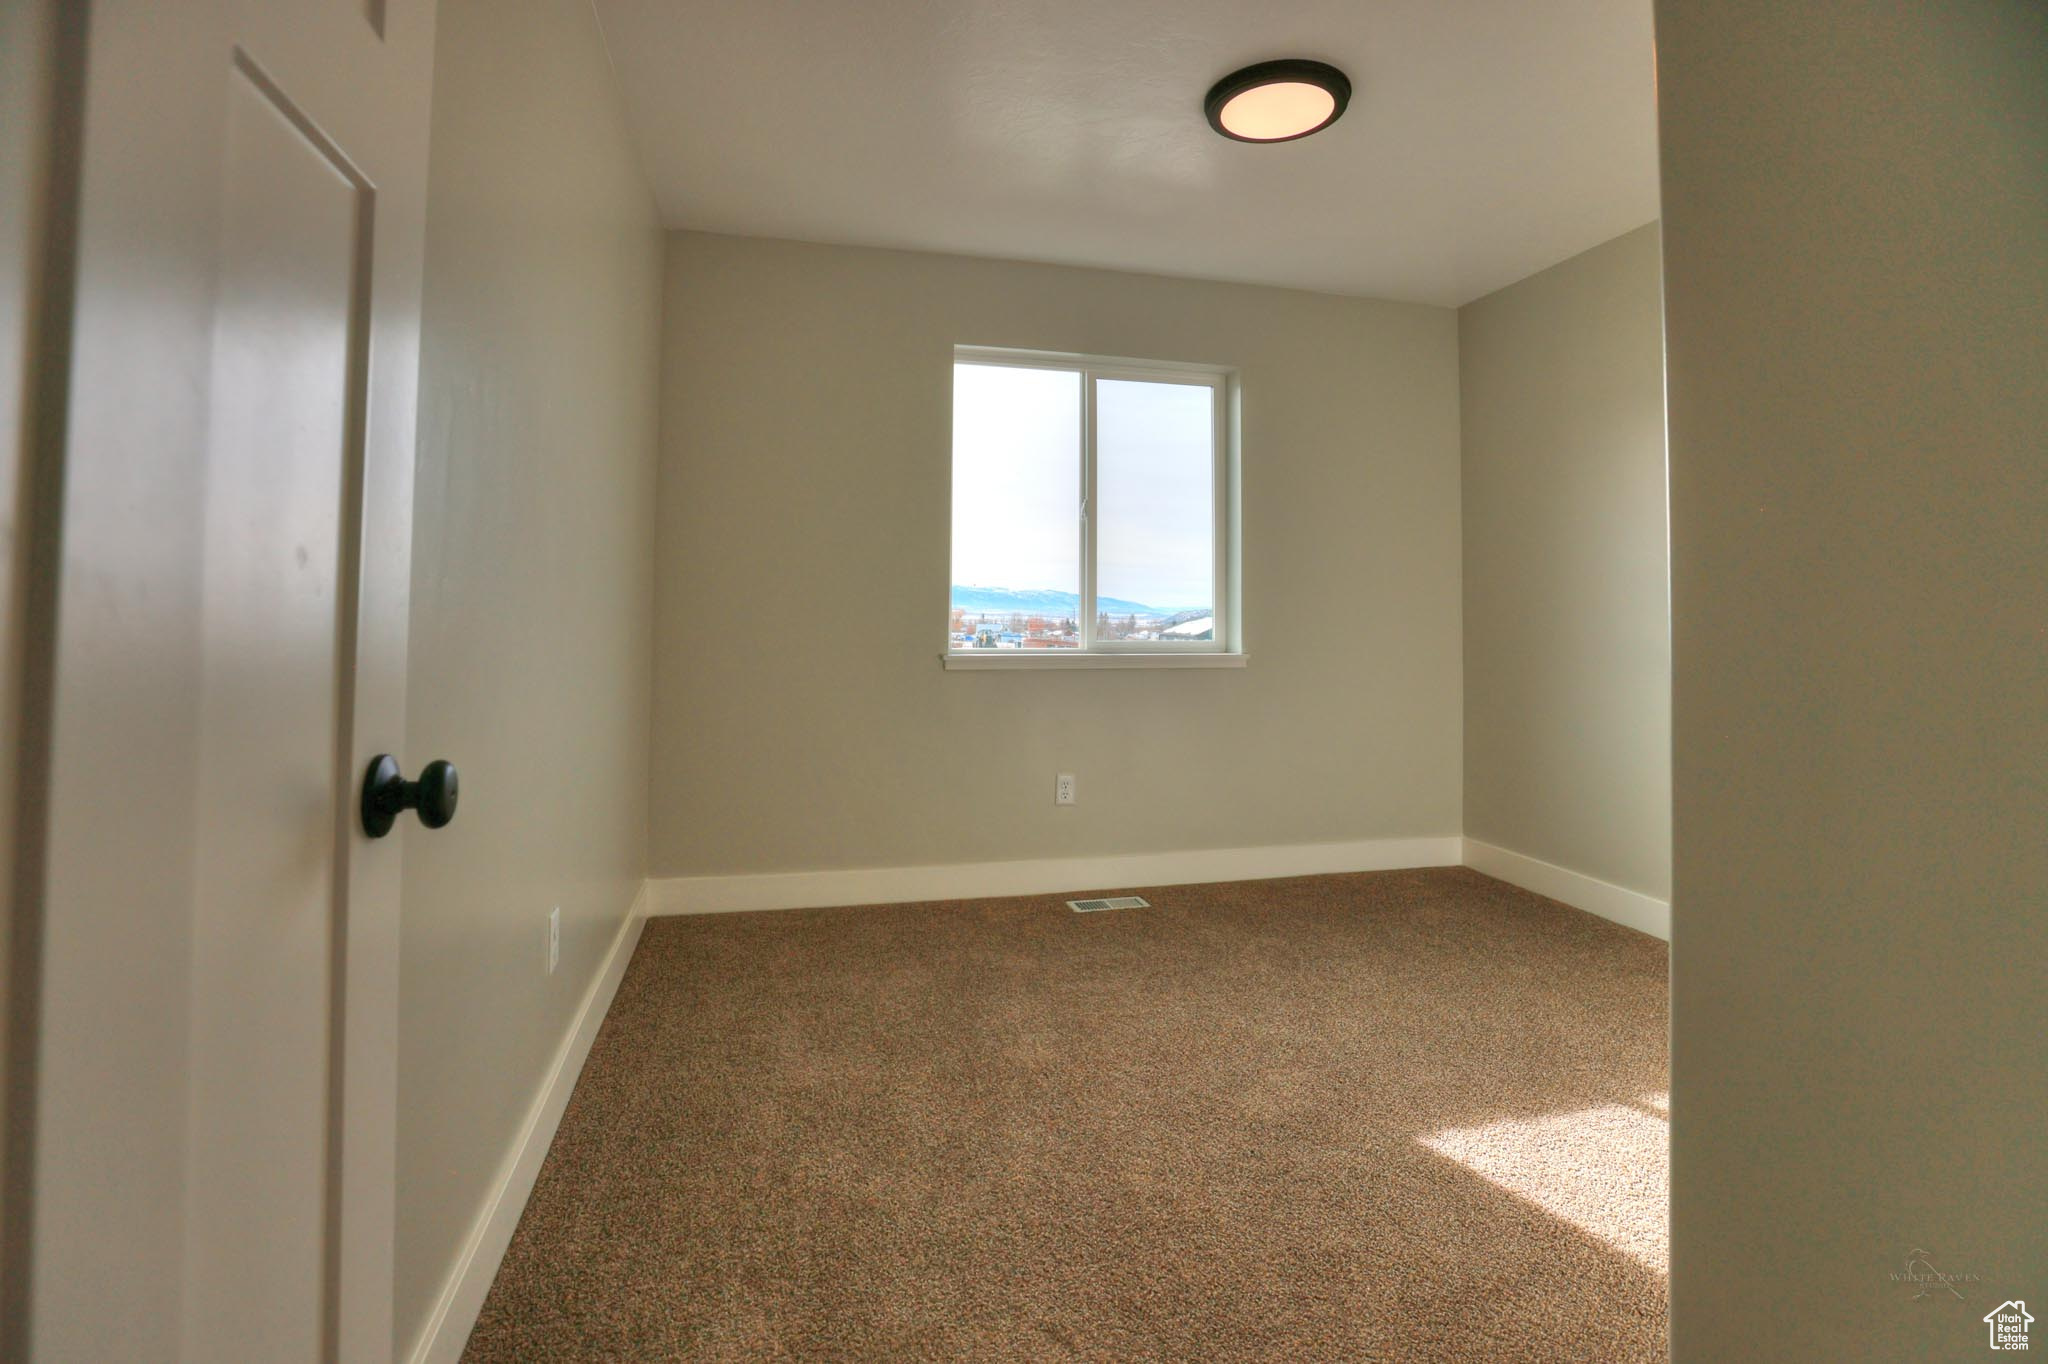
(1222, 510)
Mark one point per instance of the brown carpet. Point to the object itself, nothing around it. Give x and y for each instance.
(1390, 1116)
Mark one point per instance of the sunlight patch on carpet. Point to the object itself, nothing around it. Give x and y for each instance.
(1605, 1170)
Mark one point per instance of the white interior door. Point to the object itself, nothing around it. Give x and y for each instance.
(211, 1155)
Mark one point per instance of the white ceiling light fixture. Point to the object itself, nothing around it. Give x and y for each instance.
(1277, 101)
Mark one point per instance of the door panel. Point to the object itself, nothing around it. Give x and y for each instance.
(279, 478)
(210, 1152)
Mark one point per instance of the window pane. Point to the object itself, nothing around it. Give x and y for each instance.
(1155, 483)
(1016, 508)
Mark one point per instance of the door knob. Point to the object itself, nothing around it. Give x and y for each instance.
(386, 792)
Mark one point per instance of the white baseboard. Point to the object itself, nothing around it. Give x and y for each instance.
(1632, 908)
(447, 1330)
(977, 880)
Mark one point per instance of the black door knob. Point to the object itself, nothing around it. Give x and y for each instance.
(386, 792)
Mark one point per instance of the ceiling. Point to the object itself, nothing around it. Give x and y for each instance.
(1486, 139)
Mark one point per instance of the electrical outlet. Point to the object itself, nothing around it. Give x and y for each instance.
(554, 938)
(1063, 789)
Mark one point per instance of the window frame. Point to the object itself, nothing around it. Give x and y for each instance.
(1223, 648)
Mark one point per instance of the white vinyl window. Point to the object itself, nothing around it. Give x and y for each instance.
(1092, 513)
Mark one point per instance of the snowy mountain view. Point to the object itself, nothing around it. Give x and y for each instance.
(1045, 618)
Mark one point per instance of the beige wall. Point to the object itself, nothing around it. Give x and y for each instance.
(802, 719)
(1567, 648)
(532, 562)
(1856, 286)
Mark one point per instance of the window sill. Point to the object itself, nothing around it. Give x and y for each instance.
(1060, 660)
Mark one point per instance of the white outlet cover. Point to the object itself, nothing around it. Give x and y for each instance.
(554, 938)
(1063, 789)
